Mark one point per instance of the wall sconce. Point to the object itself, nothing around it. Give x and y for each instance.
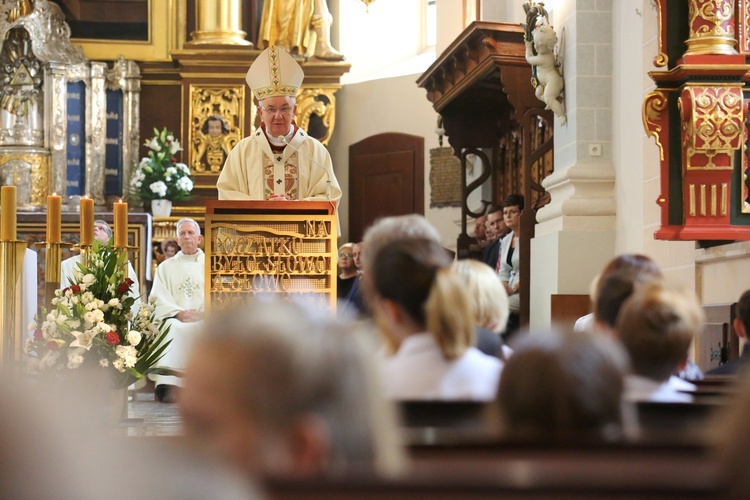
(367, 4)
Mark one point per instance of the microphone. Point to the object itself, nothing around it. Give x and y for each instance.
(283, 140)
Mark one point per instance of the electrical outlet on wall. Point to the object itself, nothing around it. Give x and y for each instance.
(595, 149)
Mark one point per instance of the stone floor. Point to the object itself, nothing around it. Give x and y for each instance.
(149, 417)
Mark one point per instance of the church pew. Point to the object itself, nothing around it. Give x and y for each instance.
(675, 420)
(567, 474)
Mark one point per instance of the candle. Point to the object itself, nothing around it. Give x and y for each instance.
(87, 221)
(121, 224)
(7, 214)
(54, 218)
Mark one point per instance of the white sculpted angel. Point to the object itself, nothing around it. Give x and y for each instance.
(549, 81)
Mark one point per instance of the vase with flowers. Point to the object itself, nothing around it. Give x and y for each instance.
(92, 324)
(159, 178)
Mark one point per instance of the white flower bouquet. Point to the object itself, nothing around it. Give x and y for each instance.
(159, 176)
(92, 323)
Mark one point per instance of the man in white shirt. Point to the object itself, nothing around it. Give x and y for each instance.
(179, 293)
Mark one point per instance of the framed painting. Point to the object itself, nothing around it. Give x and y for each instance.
(141, 30)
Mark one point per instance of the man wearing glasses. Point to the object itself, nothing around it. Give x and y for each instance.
(280, 161)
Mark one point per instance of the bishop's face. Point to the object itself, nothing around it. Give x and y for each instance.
(277, 114)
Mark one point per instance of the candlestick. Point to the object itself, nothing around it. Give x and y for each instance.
(121, 224)
(8, 213)
(11, 260)
(87, 221)
(54, 219)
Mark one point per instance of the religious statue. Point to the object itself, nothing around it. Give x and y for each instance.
(21, 92)
(213, 148)
(295, 25)
(541, 42)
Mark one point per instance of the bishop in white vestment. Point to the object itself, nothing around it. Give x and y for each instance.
(279, 161)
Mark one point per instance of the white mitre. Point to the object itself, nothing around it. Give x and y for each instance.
(274, 73)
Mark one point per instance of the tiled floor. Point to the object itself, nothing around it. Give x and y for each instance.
(149, 417)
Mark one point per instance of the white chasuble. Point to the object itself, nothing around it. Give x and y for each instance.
(253, 171)
(178, 286)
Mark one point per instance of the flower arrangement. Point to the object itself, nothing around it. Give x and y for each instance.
(92, 323)
(159, 176)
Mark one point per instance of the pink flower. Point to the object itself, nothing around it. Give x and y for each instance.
(38, 335)
(75, 288)
(52, 345)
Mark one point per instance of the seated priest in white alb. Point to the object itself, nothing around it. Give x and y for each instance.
(279, 161)
(69, 270)
(179, 294)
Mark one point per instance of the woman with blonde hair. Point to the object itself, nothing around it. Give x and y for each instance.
(489, 303)
(426, 317)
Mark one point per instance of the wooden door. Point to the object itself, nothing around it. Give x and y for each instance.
(386, 177)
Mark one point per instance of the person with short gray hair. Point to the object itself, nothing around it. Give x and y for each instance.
(281, 390)
(178, 291)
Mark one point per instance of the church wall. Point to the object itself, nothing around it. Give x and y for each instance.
(387, 105)
(627, 146)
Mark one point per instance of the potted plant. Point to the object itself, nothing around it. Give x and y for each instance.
(159, 178)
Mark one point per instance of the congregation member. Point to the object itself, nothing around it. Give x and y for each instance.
(279, 390)
(495, 232)
(179, 293)
(644, 269)
(391, 229)
(426, 318)
(741, 325)
(613, 290)
(510, 259)
(70, 271)
(565, 386)
(354, 302)
(489, 304)
(348, 275)
(480, 232)
(169, 248)
(357, 255)
(656, 326)
(279, 161)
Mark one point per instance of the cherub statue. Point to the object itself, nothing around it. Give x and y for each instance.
(541, 40)
(213, 148)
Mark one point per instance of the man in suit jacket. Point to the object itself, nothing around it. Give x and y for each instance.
(496, 229)
(741, 326)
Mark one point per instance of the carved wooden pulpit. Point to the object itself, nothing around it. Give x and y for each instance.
(481, 87)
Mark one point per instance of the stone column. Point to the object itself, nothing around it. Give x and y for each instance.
(218, 22)
(575, 232)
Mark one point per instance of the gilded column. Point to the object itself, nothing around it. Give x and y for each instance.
(218, 22)
(711, 27)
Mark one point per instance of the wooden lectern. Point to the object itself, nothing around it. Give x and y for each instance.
(282, 248)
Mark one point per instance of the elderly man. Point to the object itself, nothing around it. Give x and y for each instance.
(179, 294)
(280, 161)
(69, 267)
